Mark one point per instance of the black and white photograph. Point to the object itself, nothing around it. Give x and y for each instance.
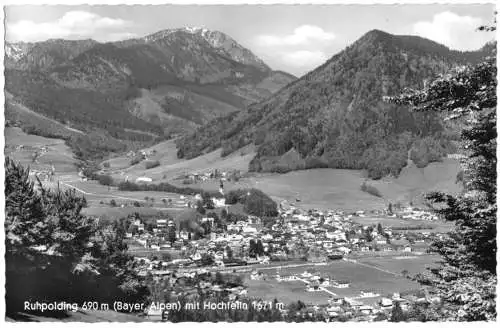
(236, 162)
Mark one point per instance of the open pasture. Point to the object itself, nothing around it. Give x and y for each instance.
(413, 264)
(362, 278)
(57, 154)
(430, 226)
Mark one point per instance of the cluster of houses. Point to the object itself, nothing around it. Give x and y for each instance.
(144, 153)
(312, 235)
(211, 174)
(416, 214)
(315, 236)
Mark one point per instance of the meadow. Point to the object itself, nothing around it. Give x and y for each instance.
(433, 226)
(412, 264)
(362, 278)
(58, 154)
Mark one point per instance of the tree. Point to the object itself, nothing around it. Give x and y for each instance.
(208, 203)
(54, 253)
(259, 248)
(206, 260)
(223, 214)
(172, 234)
(466, 279)
(166, 257)
(380, 230)
(252, 249)
(199, 207)
(219, 279)
(229, 252)
(105, 179)
(397, 314)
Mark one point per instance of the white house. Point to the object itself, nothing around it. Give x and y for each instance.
(143, 179)
(386, 303)
(306, 274)
(219, 202)
(249, 229)
(366, 309)
(368, 294)
(340, 284)
(256, 275)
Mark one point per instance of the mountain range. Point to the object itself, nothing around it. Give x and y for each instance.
(206, 88)
(335, 115)
(140, 89)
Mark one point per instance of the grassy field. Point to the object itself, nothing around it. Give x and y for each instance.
(112, 213)
(413, 182)
(434, 226)
(285, 292)
(316, 188)
(362, 278)
(413, 264)
(171, 167)
(58, 154)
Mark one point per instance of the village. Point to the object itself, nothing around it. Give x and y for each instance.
(259, 251)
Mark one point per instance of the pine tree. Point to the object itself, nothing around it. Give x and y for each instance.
(397, 314)
(467, 278)
(54, 253)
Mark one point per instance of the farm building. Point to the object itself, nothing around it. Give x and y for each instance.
(143, 179)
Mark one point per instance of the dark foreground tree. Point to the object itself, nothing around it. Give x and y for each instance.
(466, 280)
(54, 253)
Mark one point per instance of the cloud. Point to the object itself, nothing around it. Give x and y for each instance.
(304, 58)
(456, 32)
(73, 24)
(302, 35)
(302, 50)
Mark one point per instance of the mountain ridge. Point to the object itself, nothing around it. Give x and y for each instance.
(334, 116)
(172, 82)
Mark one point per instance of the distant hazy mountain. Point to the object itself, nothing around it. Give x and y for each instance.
(169, 82)
(335, 117)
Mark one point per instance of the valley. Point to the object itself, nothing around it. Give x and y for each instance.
(201, 173)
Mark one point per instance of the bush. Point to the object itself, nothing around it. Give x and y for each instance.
(137, 204)
(151, 164)
(105, 179)
(163, 187)
(371, 190)
(136, 160)
(254, 201)
(106, 165)
(112, 203)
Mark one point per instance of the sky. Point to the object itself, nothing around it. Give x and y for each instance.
(291, 38)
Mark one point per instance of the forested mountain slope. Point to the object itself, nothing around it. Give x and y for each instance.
(335, 115)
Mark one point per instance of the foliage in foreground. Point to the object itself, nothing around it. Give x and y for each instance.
(466, 280)
(54, 253)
